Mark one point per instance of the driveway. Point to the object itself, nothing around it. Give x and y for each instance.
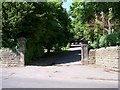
(70, 56)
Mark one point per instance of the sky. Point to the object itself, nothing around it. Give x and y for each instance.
(67, 4)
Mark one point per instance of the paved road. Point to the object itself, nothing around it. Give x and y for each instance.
(61, 76)
(67, 73)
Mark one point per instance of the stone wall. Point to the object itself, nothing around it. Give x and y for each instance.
(10, 59)
(107, 57)
(92, 59)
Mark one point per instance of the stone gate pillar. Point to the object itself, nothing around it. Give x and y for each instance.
(84, 51)
(21, 50)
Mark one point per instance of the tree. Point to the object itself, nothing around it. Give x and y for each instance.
(0, 15)
(13, 14)
(44, 24)
(99, 18)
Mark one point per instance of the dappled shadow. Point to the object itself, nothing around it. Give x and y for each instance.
(68, 57)
(71, 55)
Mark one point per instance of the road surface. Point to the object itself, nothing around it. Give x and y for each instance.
(66, 73)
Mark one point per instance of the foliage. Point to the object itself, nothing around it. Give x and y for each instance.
(103, 41)
(95, 43)
(33, 51)
(13, 14)
(45, 25)
(97, 16)
(112, 39)
(0, 24)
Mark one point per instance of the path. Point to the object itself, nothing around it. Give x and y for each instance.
(71, 55)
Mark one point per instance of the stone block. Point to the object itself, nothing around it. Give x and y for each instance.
(10, 59)
(108, 57)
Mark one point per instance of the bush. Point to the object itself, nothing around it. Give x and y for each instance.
(33, 50)
(112, 39)
(102, 41)
(95, 44)
(29, 51)
(118, 38)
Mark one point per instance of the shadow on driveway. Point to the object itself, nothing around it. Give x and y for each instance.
(71, 55)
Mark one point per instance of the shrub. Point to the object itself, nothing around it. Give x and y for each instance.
(93, 45)
(118, 38)
(29, 51)
(103, 41)
(112, 39)
(33, 50)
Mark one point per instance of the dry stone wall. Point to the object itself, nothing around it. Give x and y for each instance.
(108, 57)
(10, 59)
(92, 59)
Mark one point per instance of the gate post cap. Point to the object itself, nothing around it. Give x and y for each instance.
(84, 40)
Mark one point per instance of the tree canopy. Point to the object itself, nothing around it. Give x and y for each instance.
(91, 19)
(44, 24)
